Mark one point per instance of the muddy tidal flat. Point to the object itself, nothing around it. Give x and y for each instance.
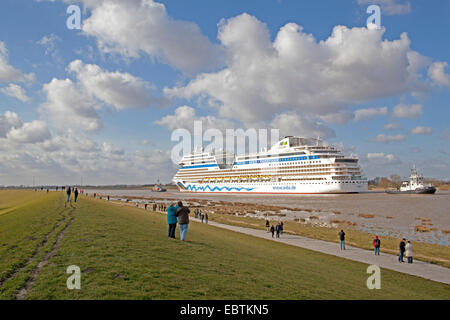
(424, 218)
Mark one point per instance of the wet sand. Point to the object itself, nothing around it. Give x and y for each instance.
(374, 212)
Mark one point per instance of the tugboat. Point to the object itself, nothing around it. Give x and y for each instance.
(415, 185)
(158, 188)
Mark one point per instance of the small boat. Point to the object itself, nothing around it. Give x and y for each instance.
(415, 185)
(158, 188)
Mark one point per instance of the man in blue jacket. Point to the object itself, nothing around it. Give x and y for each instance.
(172, 219)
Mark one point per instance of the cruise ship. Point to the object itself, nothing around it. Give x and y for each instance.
(293, 165)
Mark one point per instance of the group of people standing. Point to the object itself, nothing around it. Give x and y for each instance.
(178, 213)
(278, 229)
(199, 215)
(69, 191)
(405, 248)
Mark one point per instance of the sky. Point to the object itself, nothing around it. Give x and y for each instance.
(99, 104)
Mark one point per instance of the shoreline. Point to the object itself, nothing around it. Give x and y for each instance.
(401, 216)
(314, 229)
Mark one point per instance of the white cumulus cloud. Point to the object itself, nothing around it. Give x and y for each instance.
(133, 27)
(387, 138)
(413, 111)
(390, 7)
(422, 130)
(364, 114)
(297, 73)
(77, 104)
(30, 132)
(9, 73)
(436, 72)
(8, 121)
(69, 107)
(382, 158)
(16, 91)
(185, 116)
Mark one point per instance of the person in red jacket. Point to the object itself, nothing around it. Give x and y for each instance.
(376, 245)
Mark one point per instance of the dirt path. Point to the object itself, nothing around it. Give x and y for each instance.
(37, 270)
(38, 249)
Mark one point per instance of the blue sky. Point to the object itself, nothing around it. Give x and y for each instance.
(101, 102)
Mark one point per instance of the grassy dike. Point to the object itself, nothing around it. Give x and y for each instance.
(124, 253)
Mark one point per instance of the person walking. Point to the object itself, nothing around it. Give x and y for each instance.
(154, 207)
(409, 252)
(281, 227)
(401, 250)
(267, 225)
(376, 245)
(182, 214)
(75, 194)
(172, 219)
(277, 229)
(342, 239)
(272, 229)
(206, 218)
(68, 192)
(145, 206)
(202, 217)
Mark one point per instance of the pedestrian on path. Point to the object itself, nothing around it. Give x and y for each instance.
(182, 214)
(206, 218)
(68, 192)
(267, 225)
(342, 239)
(202, 217)
(277, 229)
(376, 246)
(172, 219)
(145, 207)
(401, 250)
(409, 252)
(281, 227)
(272, 229)
(75, 193)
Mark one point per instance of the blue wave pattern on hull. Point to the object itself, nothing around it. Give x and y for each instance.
(194, 188)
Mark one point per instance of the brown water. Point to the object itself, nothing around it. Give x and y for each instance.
(406, 210)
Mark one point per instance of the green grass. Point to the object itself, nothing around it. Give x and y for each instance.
(427, 252)
(124, 253)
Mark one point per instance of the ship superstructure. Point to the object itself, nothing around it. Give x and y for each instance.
(415, 185)
(293, 165)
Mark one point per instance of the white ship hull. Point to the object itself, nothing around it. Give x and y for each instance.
(275, 188)
(293, 165)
